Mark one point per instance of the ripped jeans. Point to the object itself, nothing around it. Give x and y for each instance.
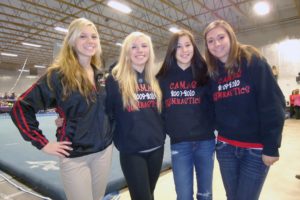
(185, 157)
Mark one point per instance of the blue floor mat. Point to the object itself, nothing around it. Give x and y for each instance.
(41, 171)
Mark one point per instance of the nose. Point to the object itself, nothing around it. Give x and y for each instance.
(139, 49)
(184, 49)
(217, 42)
(90, 39)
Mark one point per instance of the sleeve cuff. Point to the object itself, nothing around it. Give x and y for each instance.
(274, 152)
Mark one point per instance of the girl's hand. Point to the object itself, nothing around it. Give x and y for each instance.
(59, 122)
(268, 160)
(60, 149)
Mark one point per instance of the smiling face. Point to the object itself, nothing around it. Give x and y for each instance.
(87, 43)
(184, 52)
(218, 43)
(139, 53)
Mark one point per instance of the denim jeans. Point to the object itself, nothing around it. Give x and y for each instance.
(243, 171)
(185, 157)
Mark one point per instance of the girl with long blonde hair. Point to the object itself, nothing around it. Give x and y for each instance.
(84, 140)
(124, 72)
(134, 105)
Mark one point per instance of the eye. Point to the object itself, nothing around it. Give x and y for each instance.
(144, 45)
(210, 41)
(179, 46)
(94, 36)
(221, 37)
(82, 36)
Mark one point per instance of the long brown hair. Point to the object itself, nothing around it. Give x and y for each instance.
(237, 50)
(73, 76)
(198, 64)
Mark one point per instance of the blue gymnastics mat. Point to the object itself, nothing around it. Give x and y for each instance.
(41, 171)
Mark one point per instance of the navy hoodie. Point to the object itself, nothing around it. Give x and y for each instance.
(135, 130)
(249, 107)
(187, 108)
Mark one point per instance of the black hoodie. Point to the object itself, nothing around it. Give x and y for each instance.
(187, 108)
(249, 106)
(135, 130)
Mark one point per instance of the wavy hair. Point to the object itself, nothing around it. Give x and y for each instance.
(237, 52)
(73, 76)
(126, 76)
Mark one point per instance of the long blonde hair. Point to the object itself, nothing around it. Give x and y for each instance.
(237, 50)
(126, 76)
(73, 76)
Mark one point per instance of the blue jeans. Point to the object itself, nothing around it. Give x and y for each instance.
(243, 171)
(186, 156)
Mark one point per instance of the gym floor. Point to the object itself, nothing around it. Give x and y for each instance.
(281, 183)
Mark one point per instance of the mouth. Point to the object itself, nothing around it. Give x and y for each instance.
(185, 56)
(140, 56)
(89, 48)
(219, 50)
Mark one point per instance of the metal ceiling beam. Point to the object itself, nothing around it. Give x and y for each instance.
(66, 16)
(171, 21)
(104, 17)
(239, 10)
(170, 4)
(214, 13)
(162, 36)
(152, 33)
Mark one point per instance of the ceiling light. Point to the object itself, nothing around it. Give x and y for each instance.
(40, 66)
(5, 77)
(262, 8)
(61, 29)
(9, 54)
(119, 6)
(23, 70)
(31, 76)
(119, 44)
(30, 44)
(174, 29)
